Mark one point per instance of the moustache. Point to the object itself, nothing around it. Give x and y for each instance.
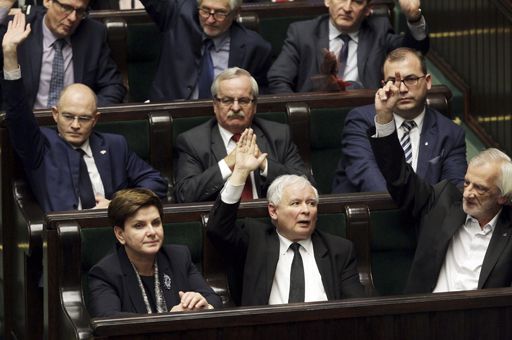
(239, 114)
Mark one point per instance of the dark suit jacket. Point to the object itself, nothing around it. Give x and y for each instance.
(438, 212)
(197, 174)
(180, 57)
(253, 251)
(114, 289)
(301, 55)
(92, 64)
(53, 166)
(442, 153)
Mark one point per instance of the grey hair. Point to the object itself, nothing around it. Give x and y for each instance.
(275, 190)
(504, 180)
(232, 73)
(233, 4)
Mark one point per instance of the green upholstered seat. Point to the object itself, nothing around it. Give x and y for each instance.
(136, 133)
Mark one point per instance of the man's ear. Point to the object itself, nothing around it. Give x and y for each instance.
(272, 211)
(119, 233)
(367, 11)
(55, 113)
(503, 200)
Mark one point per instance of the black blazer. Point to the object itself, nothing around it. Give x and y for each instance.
(438, 212)
(180, 56)
(301, 55)
(92, 64)
(197, 174)
(114, 289)
(253, 251)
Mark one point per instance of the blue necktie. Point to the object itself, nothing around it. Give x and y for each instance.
(85, 185)
(57, 79)
(206, 73)
(405, 141)
(343, 54)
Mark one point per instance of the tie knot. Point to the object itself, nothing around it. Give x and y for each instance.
(295, 247)
(81, 152)
(344, 37)
(236, 137)
(208, 44)
(59, 44)
(408, 125)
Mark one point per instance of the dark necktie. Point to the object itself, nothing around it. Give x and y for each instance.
(405, 141)
(84, 184)
(206, 72)
(247, 192)
(343, 54)
(57, 79)
(297, 285)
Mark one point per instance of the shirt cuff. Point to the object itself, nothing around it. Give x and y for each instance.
(225, 171)
(12, 75)
(264, 173)
(231, 194)
(384, 130)
(418, 29)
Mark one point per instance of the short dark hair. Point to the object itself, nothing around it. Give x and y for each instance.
(127, 202)
(401, 53)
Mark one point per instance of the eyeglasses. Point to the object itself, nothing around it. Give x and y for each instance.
(217, 15)
(228, 101)
(68, 117)
(408, 81)
(81, 13)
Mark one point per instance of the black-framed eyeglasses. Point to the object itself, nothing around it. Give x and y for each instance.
(70, 118)
(228, 101)
(217, 15)
(81, 13)
(408, 81)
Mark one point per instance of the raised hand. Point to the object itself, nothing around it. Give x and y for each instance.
(17, 32)
(411, 9)
(386, 99)
(248, 157)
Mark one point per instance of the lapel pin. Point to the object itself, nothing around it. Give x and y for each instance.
(426, 143)
(167, 282)
(505, 234)
(103, 152)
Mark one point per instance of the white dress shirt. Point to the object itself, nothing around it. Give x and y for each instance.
(465, 256)
(314, 287)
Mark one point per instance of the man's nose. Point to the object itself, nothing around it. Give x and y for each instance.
(76, 123)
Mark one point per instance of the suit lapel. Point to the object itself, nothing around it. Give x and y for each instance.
(79, 55)
(364, 46)
(322, 41)
(454, 220)
(271, 256)
(262, 145)
(132, 284)
(101, 154)
(324, 266)
(428, 140)
(73, 159)
(165, 274)
(500, 238)
(237, 46)
(217, 145)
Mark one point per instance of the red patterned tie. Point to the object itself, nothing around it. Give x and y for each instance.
(247, 192)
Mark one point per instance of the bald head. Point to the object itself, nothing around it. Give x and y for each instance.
(76, 113)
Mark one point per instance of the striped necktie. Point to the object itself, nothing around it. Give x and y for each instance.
(343, 54)
(57, 77)
(405, 141)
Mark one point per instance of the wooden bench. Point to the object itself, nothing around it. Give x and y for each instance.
(69, 242)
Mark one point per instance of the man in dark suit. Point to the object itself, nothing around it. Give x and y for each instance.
(437, 145)
(289, 261)
(205, 155)
(464, 239)
(57, 162)
(192, 29)
(349, 24)
(85, 52)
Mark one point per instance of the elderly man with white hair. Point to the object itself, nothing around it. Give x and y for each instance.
(286, 261)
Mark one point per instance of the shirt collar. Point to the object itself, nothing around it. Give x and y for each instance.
(219, 40)
(334, 32)
(225, 135)
(284, 244)
(86, 147)
(418, 120)
(489, 227)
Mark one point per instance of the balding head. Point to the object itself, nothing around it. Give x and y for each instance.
(76, 113)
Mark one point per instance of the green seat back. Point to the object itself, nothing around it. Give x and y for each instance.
(136, 133)
(98, 242)
(326, 128)
(144, 41)
(392, 251)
